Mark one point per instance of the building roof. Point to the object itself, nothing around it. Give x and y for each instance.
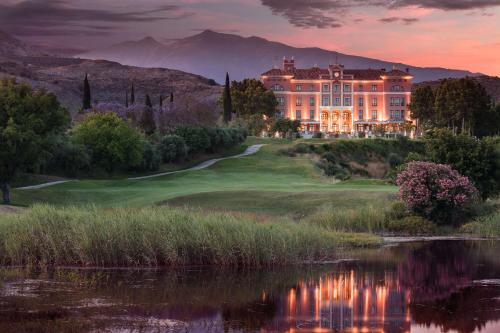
(315, 73)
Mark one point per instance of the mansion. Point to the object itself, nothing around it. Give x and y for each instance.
(341, 101)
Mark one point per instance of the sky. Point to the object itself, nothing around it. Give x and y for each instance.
(462, 34)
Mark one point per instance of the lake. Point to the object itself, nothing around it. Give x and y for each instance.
(451, 286)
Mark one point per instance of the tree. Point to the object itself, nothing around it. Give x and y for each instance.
(286, 126)
(226, 101)
(112, 142)
(250, 97)
(132, 95)
(126, 99)
(435, 191)
(147, 122)
(29, 122)
(171, 97)
(422, 106)
(161, 102)
(472, 157)
(86, 94)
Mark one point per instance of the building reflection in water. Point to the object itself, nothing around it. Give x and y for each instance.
(344, 301)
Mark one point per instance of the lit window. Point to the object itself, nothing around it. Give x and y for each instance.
(374, 101)
(374, 114)
(374, 87)
(298, 101)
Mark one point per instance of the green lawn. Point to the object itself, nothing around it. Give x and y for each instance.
(266, 182)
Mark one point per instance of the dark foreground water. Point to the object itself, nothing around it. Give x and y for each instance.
(450, 286)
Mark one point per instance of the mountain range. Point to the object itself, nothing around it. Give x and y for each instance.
(109, 80)
(212, 54)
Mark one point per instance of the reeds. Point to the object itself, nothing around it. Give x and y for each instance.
(161, 236)
(362, 219)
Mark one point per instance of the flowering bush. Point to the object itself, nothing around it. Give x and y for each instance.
(435, 191)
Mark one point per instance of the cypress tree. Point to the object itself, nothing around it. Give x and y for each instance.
(147, 122)
(161, 101)
(126, 98)
(86, 94)
(226, 101)
(171, 97)
(132, 95)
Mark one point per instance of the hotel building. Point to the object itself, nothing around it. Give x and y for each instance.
(339, 100)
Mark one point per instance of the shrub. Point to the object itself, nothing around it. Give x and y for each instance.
(197, 138)
(151, 157)
(112, 142)
(487, 226)
(412, 225)
(394, 160)
(318, 135)
(435, 191)
(70, 158)
(172, 148)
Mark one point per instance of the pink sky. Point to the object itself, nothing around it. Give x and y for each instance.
(462, 34)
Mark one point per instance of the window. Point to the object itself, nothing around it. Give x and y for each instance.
(311, 101)
(298, 101)
(360, 101)
(312, 114)
(402, 115)
(277, 87)
(347, 88)
(336, 88)
(345, 115)
(326, 87)
(360, 114)
(397, 101)
(337, 101)
(397, 88)
(374, 87)
(374, 101)
(326, 101)
(347, 101)
(311, 87)
(298, 87)
(298, 114)
(281, 100)
(280, 113)
(374, 114)
(360, 87)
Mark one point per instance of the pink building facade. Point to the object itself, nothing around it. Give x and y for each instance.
(341, 101)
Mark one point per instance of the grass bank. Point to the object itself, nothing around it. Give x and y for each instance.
(486, 226)
(162, 236)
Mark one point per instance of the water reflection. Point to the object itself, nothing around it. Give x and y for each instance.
(424, 287)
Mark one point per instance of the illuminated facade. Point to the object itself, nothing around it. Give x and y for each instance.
(339, 100)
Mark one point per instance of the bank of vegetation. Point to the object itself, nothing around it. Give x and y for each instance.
(162, 236)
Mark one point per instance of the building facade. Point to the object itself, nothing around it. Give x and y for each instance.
(342, 101)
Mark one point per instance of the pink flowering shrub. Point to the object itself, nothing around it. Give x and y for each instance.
(435, 191)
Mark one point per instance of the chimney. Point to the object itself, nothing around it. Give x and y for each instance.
(288, 64)
(407, 70)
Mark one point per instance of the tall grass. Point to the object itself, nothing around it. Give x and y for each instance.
(362, 219)
(45, 235)
(486, 226)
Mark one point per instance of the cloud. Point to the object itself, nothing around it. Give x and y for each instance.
(404, 20)
(55, 16)
(331, 13)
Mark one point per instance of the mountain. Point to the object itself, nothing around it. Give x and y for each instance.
(109, 80)
(212, 54)
(12, 47)
(490, 83)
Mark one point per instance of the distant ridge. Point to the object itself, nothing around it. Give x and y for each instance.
(212, 54)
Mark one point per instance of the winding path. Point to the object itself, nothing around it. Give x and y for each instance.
(249, 151)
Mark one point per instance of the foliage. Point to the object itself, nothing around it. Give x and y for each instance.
(161, 236)
(151, 158)
(29, 123)
(412, 225)
(486, 226)
(112, 142)
(227, 103)
(172, 148)
(147, 122)
(285, 126)
(250, 97)
(202, 139)
(460, 104)
(477, 159)
(197, 138)
(435, 191)
(394, 160)
(70, 158)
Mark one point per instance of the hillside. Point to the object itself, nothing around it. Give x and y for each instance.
(490, 83)
(108, 80)
(212, 54)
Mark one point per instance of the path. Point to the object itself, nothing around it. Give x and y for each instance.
(249, 151)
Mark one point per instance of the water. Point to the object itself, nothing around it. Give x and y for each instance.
(451, 286)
